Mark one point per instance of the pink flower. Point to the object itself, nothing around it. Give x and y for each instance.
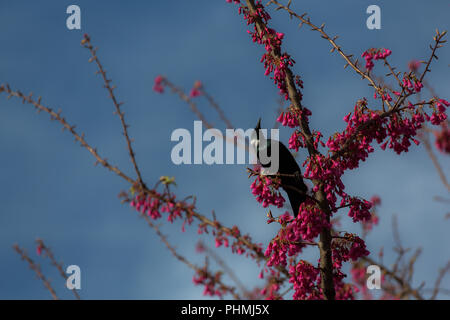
(196, 90)
(442, 141)
(195, 93)
(374, 54)
(159, 82)
(418, 86)
(414, 65)
(375, 200)
(266, 192)
(305, 278)
(295, 142)
(272, 41)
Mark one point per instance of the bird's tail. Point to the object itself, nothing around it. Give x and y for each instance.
(296, 199)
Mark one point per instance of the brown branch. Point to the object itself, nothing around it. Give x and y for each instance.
(216, 106)
(426, 142)
(37, 270)
(226, 268)
(279, 110)
(188, 100)
(57, 265)
(437, 44)
(182, 259)
(57, 116)
(392, 71)
(438, 40)
(193, 106)
(326, 264)
(439, 279)
(347, 58)
(86, 42)
(393, 275)
(400, 100)
(401, 272)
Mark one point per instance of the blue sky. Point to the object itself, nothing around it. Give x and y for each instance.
(51, 189)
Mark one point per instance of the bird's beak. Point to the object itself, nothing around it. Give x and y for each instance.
(258, 125)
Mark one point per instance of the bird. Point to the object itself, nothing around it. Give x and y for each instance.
(288, 169)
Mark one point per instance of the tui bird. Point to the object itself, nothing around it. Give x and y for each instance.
(290, 174)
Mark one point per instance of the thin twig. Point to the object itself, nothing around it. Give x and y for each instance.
(226, 268)
(57, 265)
(394, 276)
(86, 42)
(163, 238)
(216, 106)
(437, 285)
(57, 116)
(426, 142)
(37, 270)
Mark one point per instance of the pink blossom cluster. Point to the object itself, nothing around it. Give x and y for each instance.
(275, 62)
(147, 205)
(293, 117)
(439, 114)
(267, 192)
(288, 242)
(329, 172)
(412, 84)
(347, 150)
(386, 96)
(374, 54)
(358, 248)
(358, 135)
(368, 224)
(289, 119)
(310, 221)
(196, 90)
(360, 210)
(365, 125)
(401, 132)
(358, 273)
(39, 249)
(305, 278)
(375, 200)
(202, 277)
(414, 65)
(159, 84)
(270, 291)
(297, 140)
(152, 206)
(277, 253)
(222, 238)
(350, 247)
(344, 291)
(442, 141)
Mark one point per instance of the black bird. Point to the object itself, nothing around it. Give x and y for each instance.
(290, 174)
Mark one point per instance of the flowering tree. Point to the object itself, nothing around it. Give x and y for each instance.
(397, 118)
